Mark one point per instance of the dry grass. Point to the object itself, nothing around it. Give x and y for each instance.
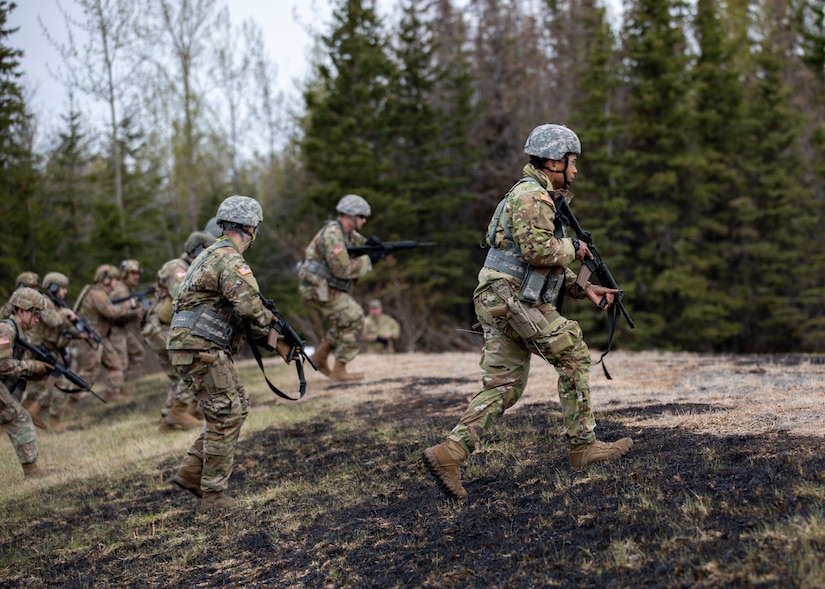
(723, 488)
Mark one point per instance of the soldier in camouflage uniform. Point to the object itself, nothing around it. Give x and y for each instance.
(326, 276)
(217, 298)
(518, 321)
(29, 279)
(380, 330)
(54, 331)
(123, 336)
(26, 304)
(94, 303)
(180, 410)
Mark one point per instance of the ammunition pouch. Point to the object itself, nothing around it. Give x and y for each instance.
(322, 269)
(219, 327)
(507, 261)
(541, 286)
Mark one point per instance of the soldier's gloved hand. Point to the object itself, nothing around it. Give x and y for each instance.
(283, 349)
(376, 255)
(39, 368)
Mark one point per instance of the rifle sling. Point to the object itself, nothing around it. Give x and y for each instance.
(256, 353)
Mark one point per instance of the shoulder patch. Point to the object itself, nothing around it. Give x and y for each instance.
(4, 341)
(244, 270)
(180, 274)
(546, 198)
(337, 250)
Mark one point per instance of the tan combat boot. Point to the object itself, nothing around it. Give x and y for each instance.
(34, 411)
(193, 408)
(320, 357)
(596, 451)
(188, 476)
(30, 470)
(444, 463)
(178, 415)
(339, 372)
(216, 500)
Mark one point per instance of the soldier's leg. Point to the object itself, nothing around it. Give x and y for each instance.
(112, 358)
(345, 318)
(212, 379)
(17, 424)
(136, 354)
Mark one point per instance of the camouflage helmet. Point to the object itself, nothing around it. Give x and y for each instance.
(213, 227)
(105, 271)
(27, 299)
(53, 281)
(198, 240)
(552, 142)
(241, 210)
(30, 279)
(127, 266)
(352, 204)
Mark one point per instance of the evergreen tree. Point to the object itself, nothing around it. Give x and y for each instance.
(345, 141)
(654, 175)
(17, 175)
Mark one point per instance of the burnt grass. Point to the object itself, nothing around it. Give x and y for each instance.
(528, 521)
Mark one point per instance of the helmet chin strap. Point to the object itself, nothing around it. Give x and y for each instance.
(563, 172)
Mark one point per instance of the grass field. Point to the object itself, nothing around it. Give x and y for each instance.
(724, 487)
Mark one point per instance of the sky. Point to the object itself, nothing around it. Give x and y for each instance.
(284, 23)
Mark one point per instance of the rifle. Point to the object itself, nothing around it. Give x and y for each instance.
(297, 348)
(81, 324)
(384, 249)
(598, 267)
(42, 353)
(141, 295)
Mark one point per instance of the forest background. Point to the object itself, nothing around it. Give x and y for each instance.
(702, 176)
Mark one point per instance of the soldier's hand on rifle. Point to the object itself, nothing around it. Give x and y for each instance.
(39, 368)
(583, 251)
(598, 294)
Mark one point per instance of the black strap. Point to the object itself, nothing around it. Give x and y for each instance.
(612, 322)
(302, 383)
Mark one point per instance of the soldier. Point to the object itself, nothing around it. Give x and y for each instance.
(217, 297)
(180, 408)
(94, 303)
(26, 305)
(381, 332)
(54, 330)
(326, 276)
(29, 279)
(525, 238)
(123, 337)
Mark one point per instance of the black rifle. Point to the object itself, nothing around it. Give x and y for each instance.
(141, 295)
(375, 245)
(596, 266)
(297, 349)
(42, 353)
(81, 324)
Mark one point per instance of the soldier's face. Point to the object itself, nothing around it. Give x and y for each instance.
(29, 318)
(132, 279)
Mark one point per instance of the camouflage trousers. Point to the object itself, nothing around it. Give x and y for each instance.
(89, 361)
(129, 349)
(343, 321)
(212, 379)
(505, 365)
(17, 423)
(155, 334)
(52, 401)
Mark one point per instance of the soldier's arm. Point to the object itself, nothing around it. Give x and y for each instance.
(338, 259)
(533, 226)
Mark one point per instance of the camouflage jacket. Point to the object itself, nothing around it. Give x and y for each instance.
(167, 286)
(530, 213)
(220, 279)
(95, 305)
(381, 326)
(54, 328)
(11, 366)
(329, 246)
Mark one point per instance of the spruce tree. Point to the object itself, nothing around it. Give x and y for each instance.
(17, 175)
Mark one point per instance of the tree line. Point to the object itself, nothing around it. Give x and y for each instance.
(702, 175)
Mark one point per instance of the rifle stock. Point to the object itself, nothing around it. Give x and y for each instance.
(42, 354)
(141, 295)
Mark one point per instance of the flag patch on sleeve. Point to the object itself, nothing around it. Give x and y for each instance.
(244, 270)
(180, 274)
(4, 341)
(338, 250)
